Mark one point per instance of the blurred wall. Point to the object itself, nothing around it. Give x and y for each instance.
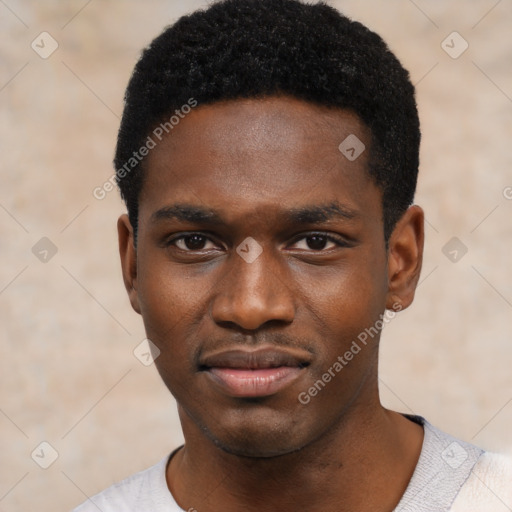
(68, 371)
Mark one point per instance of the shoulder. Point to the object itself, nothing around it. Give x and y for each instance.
(145, 490)
(489, 486)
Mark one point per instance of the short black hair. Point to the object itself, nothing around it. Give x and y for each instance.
(238, 49)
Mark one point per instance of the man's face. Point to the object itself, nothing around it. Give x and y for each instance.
(260, 259)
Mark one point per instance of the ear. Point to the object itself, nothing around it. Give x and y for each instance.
(405, 257)
(128, 255)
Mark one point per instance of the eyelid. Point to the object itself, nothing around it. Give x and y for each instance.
(338, 240)
(170, 240)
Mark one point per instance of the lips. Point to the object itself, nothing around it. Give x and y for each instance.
(254, 373)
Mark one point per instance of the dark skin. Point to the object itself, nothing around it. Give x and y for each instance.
(271, 170)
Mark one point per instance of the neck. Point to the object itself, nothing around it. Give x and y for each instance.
(346, 469)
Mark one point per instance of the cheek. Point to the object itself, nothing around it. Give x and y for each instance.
(167, 292)
(346, 306)
(349, 294)
(171, 307)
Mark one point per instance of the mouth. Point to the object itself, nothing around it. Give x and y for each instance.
(254, 373)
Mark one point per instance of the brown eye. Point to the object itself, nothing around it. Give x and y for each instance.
(316, 242)
(194, 242)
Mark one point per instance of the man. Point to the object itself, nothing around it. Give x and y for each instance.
(268, 157)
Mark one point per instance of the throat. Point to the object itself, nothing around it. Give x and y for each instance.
(353, 475)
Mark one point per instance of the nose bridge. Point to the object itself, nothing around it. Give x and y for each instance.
(253, 289)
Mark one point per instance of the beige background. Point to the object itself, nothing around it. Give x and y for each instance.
(68, 373)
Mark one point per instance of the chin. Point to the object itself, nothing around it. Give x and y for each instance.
(260, 435)
(255, 447)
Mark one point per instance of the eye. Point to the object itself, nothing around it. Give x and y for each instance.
(318, 242)
(193, 242)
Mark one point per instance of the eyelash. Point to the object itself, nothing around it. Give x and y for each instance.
(340, 242)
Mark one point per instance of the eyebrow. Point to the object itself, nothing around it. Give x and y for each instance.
(188, 213)
(320, 213)
(304, 215)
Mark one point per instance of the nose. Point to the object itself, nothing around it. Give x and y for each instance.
(253, 294)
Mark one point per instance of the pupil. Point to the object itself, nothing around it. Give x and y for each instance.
(316, 242)
(195, 242)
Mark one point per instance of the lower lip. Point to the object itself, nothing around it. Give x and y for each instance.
(254, 383)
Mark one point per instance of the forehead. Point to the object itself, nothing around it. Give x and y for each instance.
(260, 155)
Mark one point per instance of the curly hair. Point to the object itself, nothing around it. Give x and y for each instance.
(258, 48)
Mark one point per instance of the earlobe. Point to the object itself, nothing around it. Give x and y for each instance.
(128, 256)
(405, 257)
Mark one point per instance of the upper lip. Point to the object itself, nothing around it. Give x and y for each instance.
(255, 359)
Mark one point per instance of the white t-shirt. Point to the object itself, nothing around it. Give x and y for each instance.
(444, 467)
(145, 491)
